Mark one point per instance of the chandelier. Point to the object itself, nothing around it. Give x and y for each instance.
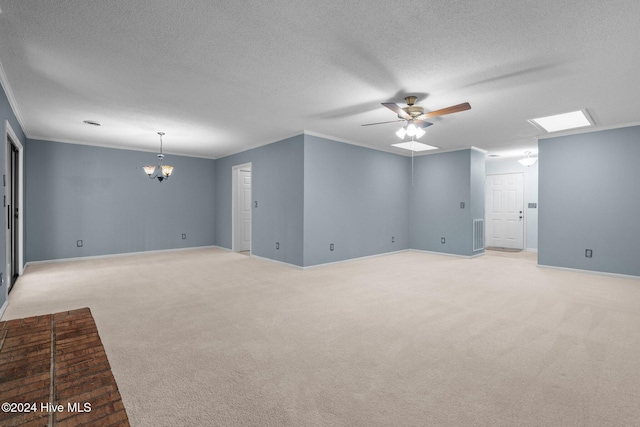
(161, 171)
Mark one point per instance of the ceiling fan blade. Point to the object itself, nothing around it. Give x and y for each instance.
(443, 111)
(381, 123)
(421, 123)
(396, 109)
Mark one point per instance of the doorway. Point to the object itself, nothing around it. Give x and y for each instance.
(504, 211)
(241, 202)
(12, 181)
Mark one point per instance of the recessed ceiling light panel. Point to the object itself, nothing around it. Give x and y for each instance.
(414, 146)
(575, 119)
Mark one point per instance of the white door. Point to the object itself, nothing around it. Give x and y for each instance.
(504, 207)
(243, 211)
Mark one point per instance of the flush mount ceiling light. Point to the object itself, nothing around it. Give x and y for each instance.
(572, 120)
(414, 146)
(161, 171)
(528, 161)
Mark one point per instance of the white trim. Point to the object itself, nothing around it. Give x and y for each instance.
(9, 133)
(598, 273)
(479, 150)
(587, 129)
(4, 308)
(12, 99)
(349, 142)
(299, 267)
(117, 147)
(92, 257)
(274, 261)
(524, 203)
(261, 144)
(531, 249)
(234, 201)
(448, 254)
(355, 259)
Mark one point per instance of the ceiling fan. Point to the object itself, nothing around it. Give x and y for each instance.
(414, 114)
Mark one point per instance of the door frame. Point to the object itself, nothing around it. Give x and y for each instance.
(10, 137)
(234, 201)
(524, 217)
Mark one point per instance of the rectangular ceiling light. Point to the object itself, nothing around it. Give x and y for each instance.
(575, 119)
(414, 146)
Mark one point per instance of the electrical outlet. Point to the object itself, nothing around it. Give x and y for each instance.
(79, 243)
(277, 245)
(331, 247)
(393, 239)
(184, 236)
(255, 204)
(461, 205)
(588, 253)
(442, 240)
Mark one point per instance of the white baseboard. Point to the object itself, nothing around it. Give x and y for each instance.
(328, 263)
(122, 254)
(531, 250)
(3, 308)
(355, 259)
(448, 254)
(599, 273)
(275, 261)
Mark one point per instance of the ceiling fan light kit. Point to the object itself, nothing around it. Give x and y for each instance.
(162, 171)
(414, 116)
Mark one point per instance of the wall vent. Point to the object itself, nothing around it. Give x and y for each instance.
(478, 235)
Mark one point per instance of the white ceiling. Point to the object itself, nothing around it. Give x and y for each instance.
(219, 77)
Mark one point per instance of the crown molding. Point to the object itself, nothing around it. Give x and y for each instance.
(12, 100)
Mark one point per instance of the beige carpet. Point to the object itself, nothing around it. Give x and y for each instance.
(208, 337)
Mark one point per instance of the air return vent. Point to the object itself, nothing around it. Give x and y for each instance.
(478, 234)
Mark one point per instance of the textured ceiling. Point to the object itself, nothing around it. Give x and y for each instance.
(221, 77)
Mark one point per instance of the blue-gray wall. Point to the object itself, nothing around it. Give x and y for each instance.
(530, 175)
(277, 184)
(355, 198)
(590, 199)
(311, 192)
(6, 113)
(102, 197)
(476, 188)
(441, 182)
